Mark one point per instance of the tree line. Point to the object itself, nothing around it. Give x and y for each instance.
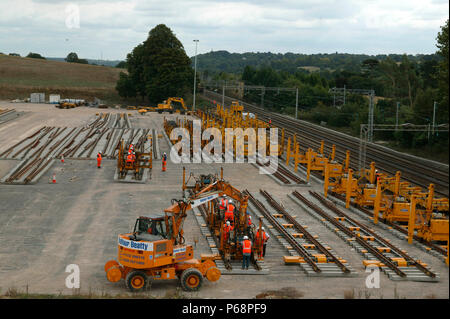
(412, 82)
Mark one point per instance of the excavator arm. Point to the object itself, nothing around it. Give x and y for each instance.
(177, 212)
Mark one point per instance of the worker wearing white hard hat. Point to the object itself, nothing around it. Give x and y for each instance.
(246, 252)
(264, 237)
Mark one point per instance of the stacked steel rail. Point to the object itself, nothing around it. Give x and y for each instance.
(38, 151)
(396, 263)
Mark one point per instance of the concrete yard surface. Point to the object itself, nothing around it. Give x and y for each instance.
(47, 226)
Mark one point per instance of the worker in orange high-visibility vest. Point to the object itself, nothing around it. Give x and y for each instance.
(164, 162)
(130, 158)
(246, 252)
(227, 228)
(223, 203)
(99, 159)
(229, 213)
(249, 222)
(265, 237)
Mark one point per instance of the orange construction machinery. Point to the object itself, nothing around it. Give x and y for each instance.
(139, 161)
(167, 105)
(229, 244)
(156, 250)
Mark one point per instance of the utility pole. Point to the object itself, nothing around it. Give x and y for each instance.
(262, 97)
(370, 94)
(371, 97)
(434, 116)
(396, 116)
(195, 74)
(344, 94)
(334, 98)
(223, 95)
(296, 102)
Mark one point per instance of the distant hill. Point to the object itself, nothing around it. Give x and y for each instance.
(224, 61)
(21, 76)
(112, 63)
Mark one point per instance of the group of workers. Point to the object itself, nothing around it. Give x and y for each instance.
(131, 158)
(228, 210)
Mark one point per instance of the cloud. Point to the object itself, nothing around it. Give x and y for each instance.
(112, 28)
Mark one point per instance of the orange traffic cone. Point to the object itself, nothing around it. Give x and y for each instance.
(54, 179)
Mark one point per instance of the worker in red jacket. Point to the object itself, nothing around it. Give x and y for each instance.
(246, 252)
(249, 223)
(229, 213)
(223, 203)
(226, 231)
(130, 158)
(264, 237)
(164, 162)
(99, 159)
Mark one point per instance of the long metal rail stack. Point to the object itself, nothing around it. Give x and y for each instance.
(317, 258)
(398, 231)
(393, 261)
(8, 115)
(37, 152)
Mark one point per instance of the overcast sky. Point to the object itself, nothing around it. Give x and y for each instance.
(111, 29)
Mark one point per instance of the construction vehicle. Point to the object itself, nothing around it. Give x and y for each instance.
(430, 226)
(236, 109)
(142, 111)
(230, 247)
(167, 105)
(156, 247)
(69, 103)
(142, 160)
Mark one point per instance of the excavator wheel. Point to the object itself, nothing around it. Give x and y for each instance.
(191, 279)
(136, 281)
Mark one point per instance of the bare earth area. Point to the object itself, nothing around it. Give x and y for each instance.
(45, 227)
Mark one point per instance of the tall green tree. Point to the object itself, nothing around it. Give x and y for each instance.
(442, 74)
(73, 57)
(158, 68)
(35, 56)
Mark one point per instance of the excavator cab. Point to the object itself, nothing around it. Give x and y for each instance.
(149, 228)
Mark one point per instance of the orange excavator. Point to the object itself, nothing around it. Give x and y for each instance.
(169, 106)
(156, 249)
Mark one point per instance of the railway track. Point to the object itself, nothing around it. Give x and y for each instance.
(397, 230)
(283, 176)
(393, 261)
(314, 257)
(416, 170)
